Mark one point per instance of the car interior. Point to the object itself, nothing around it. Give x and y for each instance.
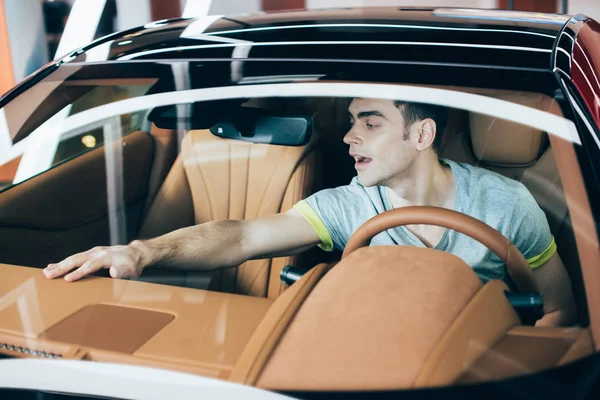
(376, 318)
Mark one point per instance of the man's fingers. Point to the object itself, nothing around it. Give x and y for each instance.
(117, 259)
(90, 266)
(115, 272)
(61, 268)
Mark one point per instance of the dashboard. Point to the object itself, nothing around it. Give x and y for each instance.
(124, 321)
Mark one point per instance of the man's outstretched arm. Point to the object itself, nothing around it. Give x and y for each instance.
(555, 288)
(213, 245)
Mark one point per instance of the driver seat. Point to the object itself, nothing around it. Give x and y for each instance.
(383, 318)
(522, 153)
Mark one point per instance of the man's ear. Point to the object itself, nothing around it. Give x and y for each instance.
(427, 132)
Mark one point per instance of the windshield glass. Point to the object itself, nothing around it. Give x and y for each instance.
(101, 158)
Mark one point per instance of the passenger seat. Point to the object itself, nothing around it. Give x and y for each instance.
(215, 178)
(523, 153)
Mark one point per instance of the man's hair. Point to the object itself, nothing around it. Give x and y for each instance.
(414, 112)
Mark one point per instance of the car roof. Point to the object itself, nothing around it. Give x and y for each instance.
(386, 34)
(500, 49)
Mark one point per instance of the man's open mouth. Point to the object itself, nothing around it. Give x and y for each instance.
(362, 160)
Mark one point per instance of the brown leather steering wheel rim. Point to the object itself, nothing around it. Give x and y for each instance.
(516, 265)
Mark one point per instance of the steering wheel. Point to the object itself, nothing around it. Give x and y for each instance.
(516, 265)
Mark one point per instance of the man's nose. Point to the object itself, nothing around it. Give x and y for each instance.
(351, 138)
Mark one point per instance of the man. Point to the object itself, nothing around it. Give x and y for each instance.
(395, 147)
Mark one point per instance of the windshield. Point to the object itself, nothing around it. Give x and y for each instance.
(102, 156)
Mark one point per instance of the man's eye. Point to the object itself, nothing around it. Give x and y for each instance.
(369, 126)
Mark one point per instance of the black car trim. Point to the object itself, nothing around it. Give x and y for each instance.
(374, 26)
(315, 60)
(28, 82)
(257, 44)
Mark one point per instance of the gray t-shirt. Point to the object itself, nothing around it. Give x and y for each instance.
(500, 202)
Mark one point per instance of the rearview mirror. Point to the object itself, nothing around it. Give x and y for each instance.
(228, 119)
(259, 126)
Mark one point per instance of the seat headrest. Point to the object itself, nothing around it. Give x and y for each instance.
(502, 142)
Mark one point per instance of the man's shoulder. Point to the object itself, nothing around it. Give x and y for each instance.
(349, 193)
(353, 185)
(492, 181)
(498, 196)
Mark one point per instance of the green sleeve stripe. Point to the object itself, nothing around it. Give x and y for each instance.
(316, 222)
(543, 257)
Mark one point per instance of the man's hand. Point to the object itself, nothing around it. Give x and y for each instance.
(121, 261)
(208, 246)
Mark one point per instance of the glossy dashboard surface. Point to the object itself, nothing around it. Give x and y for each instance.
(133, 322)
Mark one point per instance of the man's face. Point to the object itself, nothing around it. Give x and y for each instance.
(377, 141)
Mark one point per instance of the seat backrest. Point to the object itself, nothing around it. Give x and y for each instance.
(522, 153)
(516, 151)
(215, 178)
(383, 318)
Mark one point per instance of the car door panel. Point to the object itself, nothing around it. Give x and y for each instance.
(65, 209)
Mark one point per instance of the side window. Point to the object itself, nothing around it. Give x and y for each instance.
(77, 142)
(49, 143)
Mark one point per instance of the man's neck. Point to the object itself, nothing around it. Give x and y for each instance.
(426, 183)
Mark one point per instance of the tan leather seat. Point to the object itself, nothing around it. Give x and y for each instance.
(215, 178)
(522, 153)
(390, 318)
(384, 318)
